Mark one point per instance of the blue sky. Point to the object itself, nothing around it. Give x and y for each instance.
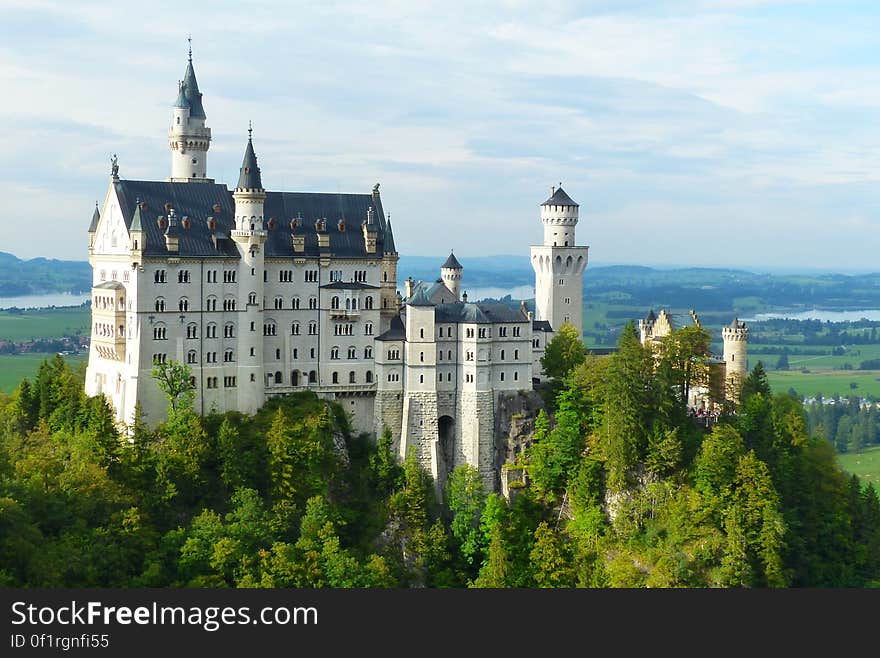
(694, 132)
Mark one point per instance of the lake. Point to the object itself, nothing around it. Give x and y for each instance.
(816, 314)
(44, 301)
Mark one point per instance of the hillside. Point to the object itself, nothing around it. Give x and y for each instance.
(42, 275)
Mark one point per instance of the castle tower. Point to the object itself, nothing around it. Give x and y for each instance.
(736, 338)
(188, 137)
(559, 264)
(450, 272)
(249, 236)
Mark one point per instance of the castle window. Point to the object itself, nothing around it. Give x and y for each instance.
(561, 282)
(125, 274)
(422, 356)
(440, 355)
(369, 376)
(368, 329)
(294, 329)
(516, 355)
(269, 328)
(192, 330)
(183, 276)
(295, 354)
(502, 355)
(368, 302)
(502, 331)
(159, 332)
(277, 354)
(294, 378)
(335, 377)
(252, 298)
(227, 356)
(313, 303)
(449, 376)
(312, 353)
(352, 352)
(159, 358)
(515, 375)
(211, 331)
(516, 331)
(313, 377)
(253, 377)
(440, 377)
(294, 304)
(191, 356)
(313, 328)
(279, 303)
(502, 376)
(334, 353)
(158, 276)
(421, 333)
(421, 379)
(567, 300)
(229, 330)
(229, 304)
(334, 303)
(265, 272)
(449, 354)
(183, 305)
(211, 303)
(351, 377)
(229, 382)
(469, 356)
(253, 353)
(536, 342)
(482, 332)
(160, 305)
(469, 332)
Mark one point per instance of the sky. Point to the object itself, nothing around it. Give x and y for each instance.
(735, 133)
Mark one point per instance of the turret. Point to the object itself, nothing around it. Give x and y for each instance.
(96, 217)
(450, 273)
(188, 137)
(559, 214)
(736, 338)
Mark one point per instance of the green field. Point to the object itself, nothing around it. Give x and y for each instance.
(865, 464)
(827, 382)
(44, 323)
(15, 367)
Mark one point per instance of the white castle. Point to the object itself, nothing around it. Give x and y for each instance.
(265, 293)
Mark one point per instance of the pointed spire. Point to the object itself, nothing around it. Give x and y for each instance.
(95, 217)
(188, 94)
(452, 263)
(136, 224)
(389, 238)
(249, 178)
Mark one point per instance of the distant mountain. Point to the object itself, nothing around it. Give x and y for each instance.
(42, 275)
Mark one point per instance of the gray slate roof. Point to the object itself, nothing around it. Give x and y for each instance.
(541, 325)
(559, 198)
(396, 330)
(188, 95)
(389, 239)
(479, 313)
(96, 216)
(249, 178)
(197, 200)
(419, 298)
(452, 262)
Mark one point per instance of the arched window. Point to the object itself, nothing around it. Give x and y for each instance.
(160, 305)
(295, 303)
(368, 302)
(335, 378)
(351, 377)
(294, 329)
(334, 353)
(278, 378)
(369, 376)
(192, 356)
(252, 298)
(294, 378)
(211, 330)
(352, 352)
(334, 303)
(229, 330)
(211, 303)
(313, 377)
(183, 305)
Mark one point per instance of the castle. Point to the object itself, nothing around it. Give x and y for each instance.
(264, 293)
(729, 370)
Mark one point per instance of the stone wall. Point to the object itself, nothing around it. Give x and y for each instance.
(388, 412)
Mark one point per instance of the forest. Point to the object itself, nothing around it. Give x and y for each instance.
(621, 489)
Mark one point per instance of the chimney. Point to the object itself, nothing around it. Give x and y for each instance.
(409, 286)
(464, 297)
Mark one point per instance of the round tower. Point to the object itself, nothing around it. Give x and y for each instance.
(736, 338)
(188, 137)
(559, 214)
(249, 236)
(450, 273)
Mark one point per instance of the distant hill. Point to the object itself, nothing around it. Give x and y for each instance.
(42, 275)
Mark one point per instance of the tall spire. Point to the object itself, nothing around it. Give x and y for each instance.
(188, 92)
(249, 178)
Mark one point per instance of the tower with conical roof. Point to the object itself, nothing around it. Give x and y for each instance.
(188, 137)
(450, 273)
(249, 235)
(559, 264)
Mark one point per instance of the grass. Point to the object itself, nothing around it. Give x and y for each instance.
(15, 367)
(827, 382)
(45, 323)
(865, 464)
